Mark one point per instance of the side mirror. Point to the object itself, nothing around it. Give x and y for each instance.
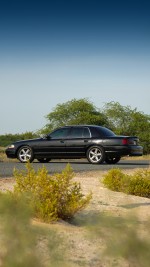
(45, 136)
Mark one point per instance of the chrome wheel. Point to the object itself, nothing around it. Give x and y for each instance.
(96, 155)
(25, 154)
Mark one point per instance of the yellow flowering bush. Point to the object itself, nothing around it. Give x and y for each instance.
(137, 184)
(52, 197)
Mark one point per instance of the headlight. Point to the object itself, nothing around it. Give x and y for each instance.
(11, 146)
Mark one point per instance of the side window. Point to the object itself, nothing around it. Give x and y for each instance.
(80, 132)
(76, 132)
(60, 133)
(94, 132)
(86, 133)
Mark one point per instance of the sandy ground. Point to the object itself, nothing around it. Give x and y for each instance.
(82, 250)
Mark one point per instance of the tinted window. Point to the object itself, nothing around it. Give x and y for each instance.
(76, 132)
(80, 132)
(86, 133)
(101, 132)
(94, 132)
(60, 133)
(105, 132)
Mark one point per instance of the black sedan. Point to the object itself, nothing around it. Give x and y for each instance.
(96, 143)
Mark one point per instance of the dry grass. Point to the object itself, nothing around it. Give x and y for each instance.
(3, 157)
(144, 157)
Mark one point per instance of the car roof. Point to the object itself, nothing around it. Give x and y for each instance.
(82, 125)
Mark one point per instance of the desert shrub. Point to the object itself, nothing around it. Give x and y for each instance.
(137, 184)
(140, 183)
(115, 180)
(51, 197)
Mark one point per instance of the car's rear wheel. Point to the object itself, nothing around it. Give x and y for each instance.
(44, 160)
(96, 155)
(112, 160)
(25, 154)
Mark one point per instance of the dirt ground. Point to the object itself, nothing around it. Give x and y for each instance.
(82, 250)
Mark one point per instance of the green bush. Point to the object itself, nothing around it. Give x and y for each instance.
(137, 184)
(51, 197)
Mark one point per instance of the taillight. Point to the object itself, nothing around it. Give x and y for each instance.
(125, 141)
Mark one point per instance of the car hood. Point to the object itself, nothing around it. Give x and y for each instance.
(28, 141)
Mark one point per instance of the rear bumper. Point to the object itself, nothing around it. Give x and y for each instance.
(125, 151)
(136, 151)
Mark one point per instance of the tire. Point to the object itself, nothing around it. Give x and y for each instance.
(44, 160)
(25, 154)
(112, 160)
(96, 155)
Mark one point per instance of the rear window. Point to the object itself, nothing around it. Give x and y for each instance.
(101, 132)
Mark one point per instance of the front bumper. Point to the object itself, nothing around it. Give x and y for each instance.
(10, 153)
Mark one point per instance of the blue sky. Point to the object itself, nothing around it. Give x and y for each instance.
(54, 51)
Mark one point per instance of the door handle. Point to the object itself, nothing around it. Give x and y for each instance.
(62, 141)
(85, 141)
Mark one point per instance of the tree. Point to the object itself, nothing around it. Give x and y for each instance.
(127, 121)
(74, 112)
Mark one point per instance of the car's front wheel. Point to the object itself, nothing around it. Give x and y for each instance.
(96, 155)
(44, 160)
(25, 154)
(112, 160)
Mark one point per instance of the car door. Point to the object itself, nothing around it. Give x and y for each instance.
(54, 144)
(77, 142)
